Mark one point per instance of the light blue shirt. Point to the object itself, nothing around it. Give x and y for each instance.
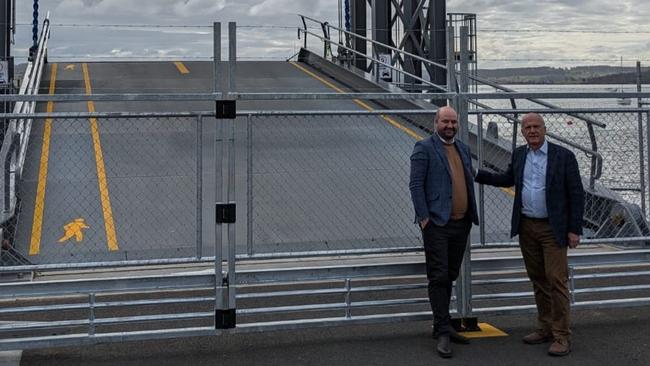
(533, 194)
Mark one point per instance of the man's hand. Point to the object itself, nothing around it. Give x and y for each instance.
(424, 223)
(574, 240)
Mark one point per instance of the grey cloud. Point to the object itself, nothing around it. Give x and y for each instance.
(91, 2)
(623, 15)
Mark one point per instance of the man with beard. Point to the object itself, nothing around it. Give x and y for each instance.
(442, 191)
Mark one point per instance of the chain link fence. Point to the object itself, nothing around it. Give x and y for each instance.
(330, 182)
(610, 154)
(121, 189)
(106, 190)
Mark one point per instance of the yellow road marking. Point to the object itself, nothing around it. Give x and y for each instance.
(181, 67)
(396, 124)
(39, 205)
(403, 128)
(69, 67)
(111, 237)
(487, 330)
(74, 228)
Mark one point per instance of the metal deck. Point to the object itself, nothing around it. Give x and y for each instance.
(149, 208)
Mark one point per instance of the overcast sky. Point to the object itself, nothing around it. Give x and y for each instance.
(511, 32)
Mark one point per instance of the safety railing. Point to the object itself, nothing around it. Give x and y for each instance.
(325, 186)
(342, 165)
(457, 80)
(98, 310)
(327, 41)
(16, 138)
(308, 180)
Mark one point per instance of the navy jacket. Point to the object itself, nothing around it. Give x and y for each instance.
(430, 181)
(565, 197)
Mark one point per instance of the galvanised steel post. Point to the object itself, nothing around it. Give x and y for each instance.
(249, 185)
(481, 188)
(464, 282)
(219, 149)
(199, 187)
(216, 50)
(232, 56)
(451, 65)
(647, 129)
(219, 152)
(230, 198)
(641, 145)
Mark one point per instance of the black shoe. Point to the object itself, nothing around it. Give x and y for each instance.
(444, 347)
(455, 337)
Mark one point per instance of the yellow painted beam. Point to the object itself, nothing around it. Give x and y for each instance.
(111, 237)
(181, 67)
(39, 205)
(487, 331)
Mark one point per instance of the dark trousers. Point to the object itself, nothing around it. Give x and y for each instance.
(444, 247)
(547, 267)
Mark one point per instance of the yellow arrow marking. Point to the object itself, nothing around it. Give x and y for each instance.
(74, 228)
(69, 67)
(111, 237)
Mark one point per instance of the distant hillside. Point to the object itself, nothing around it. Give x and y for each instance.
(559, 75)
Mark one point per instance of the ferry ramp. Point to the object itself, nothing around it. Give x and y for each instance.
(131, 186)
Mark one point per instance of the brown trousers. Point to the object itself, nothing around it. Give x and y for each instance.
(547, 267)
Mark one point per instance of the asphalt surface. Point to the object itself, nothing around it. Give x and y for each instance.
(318, 182)
(607, 337)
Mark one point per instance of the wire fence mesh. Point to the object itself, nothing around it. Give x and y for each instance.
(110, 189)
(129, 188)
(330, 182)
(614, 201)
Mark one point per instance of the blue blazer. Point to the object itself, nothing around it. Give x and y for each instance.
(430, 181)
(565, 196)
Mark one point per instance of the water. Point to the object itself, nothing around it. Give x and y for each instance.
(618, 142)
(567, 103)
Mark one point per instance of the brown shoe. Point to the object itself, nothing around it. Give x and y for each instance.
(537, 338)
(560, 347)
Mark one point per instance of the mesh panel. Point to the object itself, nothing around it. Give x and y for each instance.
(109, 189)
(331, 182)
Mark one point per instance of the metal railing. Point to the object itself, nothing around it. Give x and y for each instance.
(457, 80)
(325, 186)
(16, 139)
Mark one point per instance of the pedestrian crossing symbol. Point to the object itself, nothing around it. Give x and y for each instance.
(74, 228)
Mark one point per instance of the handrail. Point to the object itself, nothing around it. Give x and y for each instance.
(598, 168)
(588, 121)
(534, 100)
(16, 139)
(378, 61)
(419, 58)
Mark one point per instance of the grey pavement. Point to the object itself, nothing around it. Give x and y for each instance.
(602, 337)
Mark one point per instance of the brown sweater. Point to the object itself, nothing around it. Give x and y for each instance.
(458, 185)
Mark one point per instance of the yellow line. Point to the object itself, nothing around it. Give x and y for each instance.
(487, 330)
(390, 120)
(111, 238)
(181, 67)
(39, 205)
(403, 128)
